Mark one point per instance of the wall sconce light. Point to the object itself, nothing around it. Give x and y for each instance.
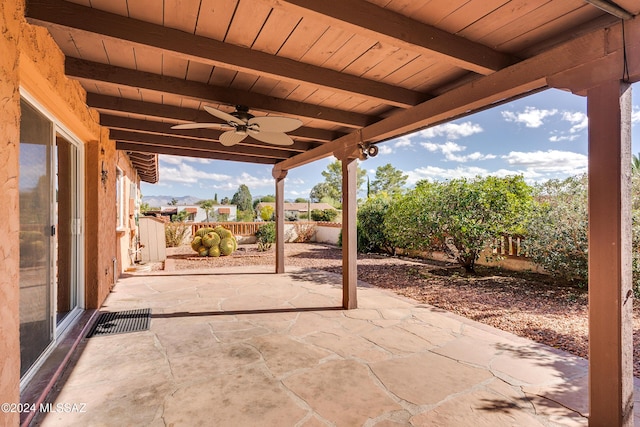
(104, 175)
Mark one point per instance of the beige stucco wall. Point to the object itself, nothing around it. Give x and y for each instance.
(10, 15)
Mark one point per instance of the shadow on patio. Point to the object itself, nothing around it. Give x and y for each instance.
(242, 347)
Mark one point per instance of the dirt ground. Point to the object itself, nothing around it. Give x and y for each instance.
(526, 304)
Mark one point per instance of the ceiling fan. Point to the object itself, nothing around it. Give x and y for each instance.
(269, 129)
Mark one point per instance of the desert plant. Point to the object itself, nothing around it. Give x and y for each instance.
(266, 236)
(214, 242)
(174, 233)
(304, 231)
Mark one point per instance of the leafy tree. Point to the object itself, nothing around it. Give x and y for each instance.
(242, 198)
(388, 179)
(207, 205)
(330, 191)
(301, 200)
(461, 217)
(145, 207)
(245, 216)
(556, 238)
(323, 192)
(173, 202)
(225, 201)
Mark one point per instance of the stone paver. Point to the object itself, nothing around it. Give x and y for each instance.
(245, 347)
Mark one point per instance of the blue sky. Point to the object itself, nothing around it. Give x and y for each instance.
(541, 137)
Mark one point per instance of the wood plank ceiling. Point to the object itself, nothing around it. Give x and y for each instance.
(340, 66)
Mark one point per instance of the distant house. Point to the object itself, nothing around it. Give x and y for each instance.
(295, 210)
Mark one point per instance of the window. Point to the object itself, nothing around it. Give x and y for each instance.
(120, 200)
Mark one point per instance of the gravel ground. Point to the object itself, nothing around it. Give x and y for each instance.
(526, 304)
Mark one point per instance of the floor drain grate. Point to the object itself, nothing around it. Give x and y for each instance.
(119, 322)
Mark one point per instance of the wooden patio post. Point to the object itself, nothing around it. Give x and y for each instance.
(279, 176)
(349, 234)
(610, 293)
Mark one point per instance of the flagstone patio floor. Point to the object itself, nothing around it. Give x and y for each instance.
(241, 346)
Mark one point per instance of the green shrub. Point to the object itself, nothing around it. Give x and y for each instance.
(556, 238)
(460, 217)
(266, 236)
(324, 215)
(372, 233)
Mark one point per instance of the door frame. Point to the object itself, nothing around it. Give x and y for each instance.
(59, 330)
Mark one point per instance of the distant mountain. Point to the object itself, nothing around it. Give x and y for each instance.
(157, 201)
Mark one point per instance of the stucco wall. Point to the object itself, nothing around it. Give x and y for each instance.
(125, 238)
(29, 58)
(10, 15)
(100, 219)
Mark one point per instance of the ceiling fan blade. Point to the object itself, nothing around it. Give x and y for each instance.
(223, 116)
(200, 126)
(275, 138)
(231, 137)
(276, 124)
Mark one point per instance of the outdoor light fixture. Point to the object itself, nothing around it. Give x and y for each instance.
(368, 150)
(611, 8)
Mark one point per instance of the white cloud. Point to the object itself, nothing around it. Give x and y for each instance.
(551, 161)
(560, 138)
(178, 160)
(185, 173)
(531, 117)
(446, 148)
(477, 156)
(250, 181)
(403, 141)
(437, 173)
(450, 148)
(635, 115)
(452, 130)
(578, 119)
(384, 149)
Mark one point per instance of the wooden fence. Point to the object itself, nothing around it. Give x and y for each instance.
(250, 228)
(510, 246)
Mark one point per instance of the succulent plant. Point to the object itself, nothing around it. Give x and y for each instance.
(214, 242)
(227, 246)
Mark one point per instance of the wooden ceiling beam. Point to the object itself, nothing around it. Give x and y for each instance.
(118, 76)
(113, 104)
(525, 76)
(370, 20)
(213, 52)
(211, 135)
(195, 144)
(187, 152)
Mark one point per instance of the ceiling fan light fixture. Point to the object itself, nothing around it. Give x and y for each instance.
(268, 129)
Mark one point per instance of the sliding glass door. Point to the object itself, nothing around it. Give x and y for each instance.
(50, 233)
(36, 235)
